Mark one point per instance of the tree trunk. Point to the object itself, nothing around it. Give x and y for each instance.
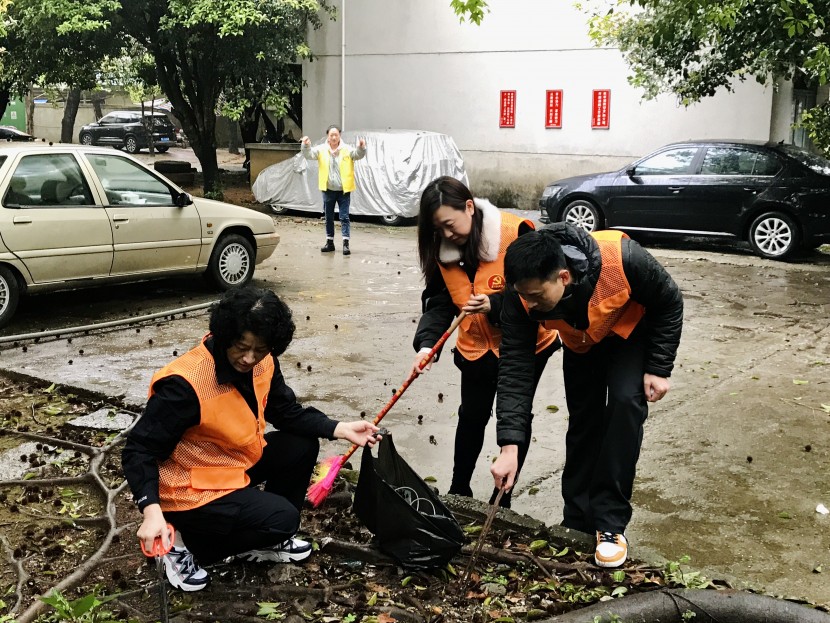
(70, 111)
(248, 127)
(5, 98)
(708, 606)
(30, 112)
(233, 137)
(204, 146)
(271, 131)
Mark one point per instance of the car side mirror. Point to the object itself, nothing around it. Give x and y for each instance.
(183, 199)
(630, 171)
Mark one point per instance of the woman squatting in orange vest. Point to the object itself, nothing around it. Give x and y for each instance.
(200, 449)
(461, 246)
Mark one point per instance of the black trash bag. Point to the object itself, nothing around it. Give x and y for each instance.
(409, 520)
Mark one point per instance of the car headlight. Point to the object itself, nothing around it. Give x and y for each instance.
(550, 191)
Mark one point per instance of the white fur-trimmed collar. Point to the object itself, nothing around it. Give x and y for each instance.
(449, 253)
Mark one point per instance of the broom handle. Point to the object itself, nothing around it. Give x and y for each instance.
(409, 379)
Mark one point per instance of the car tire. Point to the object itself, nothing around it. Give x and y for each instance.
(392, 219)
(9, 295)
(582, 213)
(774, 236)
(86, 139)
(131, 145)
(278, 209)
(232, 262)
(162, 150)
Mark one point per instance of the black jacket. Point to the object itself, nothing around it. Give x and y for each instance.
(651, 286)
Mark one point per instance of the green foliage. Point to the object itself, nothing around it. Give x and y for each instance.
(5, 618)
(86, 609)
(472, 10)
(693, 47)
(270, 610)
(675, 576)
(816, 121)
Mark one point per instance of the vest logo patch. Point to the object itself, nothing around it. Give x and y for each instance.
(496, 282)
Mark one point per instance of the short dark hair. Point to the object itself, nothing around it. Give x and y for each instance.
(333, 127)
(445, 191)
(534, 255)
(252, 309)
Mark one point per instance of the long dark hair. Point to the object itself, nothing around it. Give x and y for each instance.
(444, 191)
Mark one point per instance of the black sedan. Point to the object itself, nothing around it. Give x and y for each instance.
(775, 196)
(10, 133)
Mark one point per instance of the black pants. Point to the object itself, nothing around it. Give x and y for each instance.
(479, 379)
(607, 408)
(252, 518)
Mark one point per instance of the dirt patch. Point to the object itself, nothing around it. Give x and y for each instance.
(64, 527)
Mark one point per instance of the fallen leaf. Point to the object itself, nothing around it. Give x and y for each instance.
(784, 515)
(800, 382)
(553, 408)
(386, 618)
(430, 479)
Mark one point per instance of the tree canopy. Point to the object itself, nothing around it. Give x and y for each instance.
(691, 48)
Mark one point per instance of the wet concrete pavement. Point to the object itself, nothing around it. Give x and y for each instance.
(734, 461)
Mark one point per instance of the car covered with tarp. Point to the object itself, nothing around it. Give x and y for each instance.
(388, 181)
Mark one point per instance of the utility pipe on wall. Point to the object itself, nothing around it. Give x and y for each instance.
(343, 65)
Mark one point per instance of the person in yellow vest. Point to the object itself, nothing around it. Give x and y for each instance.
(620, 315)
(335, 178)
(461, 245)
(200, 449)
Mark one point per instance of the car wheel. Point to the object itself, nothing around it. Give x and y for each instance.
(278, 209)
(582, 213)
(392, 219)
(162, 150)
(774, 236)
(9, 295)
(131, 145)
(86, 139)
(231, 263)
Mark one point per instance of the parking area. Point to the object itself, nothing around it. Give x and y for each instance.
(735, 459)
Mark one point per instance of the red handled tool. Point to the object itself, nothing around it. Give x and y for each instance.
(327, 470)
(158, 553)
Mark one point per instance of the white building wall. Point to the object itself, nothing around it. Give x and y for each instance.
(411, 64)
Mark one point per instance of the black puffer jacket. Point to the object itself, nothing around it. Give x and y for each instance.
(651, 286)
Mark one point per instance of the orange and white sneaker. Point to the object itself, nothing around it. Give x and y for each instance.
(612, 549)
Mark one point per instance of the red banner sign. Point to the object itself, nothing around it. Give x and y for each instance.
(553, 109)
(601, 113)
(507, 117)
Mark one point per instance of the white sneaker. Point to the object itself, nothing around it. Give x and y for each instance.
(612, 549)
(183, 572)
(291, 550)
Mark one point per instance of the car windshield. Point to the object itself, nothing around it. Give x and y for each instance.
(819, 164)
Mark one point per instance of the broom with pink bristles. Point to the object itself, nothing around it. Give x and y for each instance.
(326, 471)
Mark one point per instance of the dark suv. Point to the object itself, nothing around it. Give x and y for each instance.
(128, 129)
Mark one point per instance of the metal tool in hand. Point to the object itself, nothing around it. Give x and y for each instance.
(158, 553)
(482, 536)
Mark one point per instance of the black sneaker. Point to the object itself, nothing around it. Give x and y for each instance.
(182, 570)
(346, 250)
(329, 246)
(291, 550)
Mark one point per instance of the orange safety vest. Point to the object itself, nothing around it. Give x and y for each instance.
(476, 336)
(610, 309)
(211, 459)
